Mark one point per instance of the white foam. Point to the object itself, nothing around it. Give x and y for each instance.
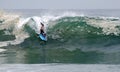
(108, 26)
(2, 50)
(59, 68)
(13, 42)
(3, 44)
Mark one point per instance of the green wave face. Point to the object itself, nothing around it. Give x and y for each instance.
(77, 30)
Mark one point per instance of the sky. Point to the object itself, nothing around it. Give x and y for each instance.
(59, 4)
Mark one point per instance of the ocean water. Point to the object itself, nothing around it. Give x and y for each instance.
(74, 36)
(59, 68)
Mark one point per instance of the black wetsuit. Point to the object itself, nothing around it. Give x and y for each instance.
(41, 31)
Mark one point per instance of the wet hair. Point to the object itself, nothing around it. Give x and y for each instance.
(42, 24)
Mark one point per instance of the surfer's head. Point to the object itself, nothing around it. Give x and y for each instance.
(42, 24)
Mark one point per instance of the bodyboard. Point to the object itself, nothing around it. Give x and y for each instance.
(42, 37)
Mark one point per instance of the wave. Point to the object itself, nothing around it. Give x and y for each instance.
(69, 28)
